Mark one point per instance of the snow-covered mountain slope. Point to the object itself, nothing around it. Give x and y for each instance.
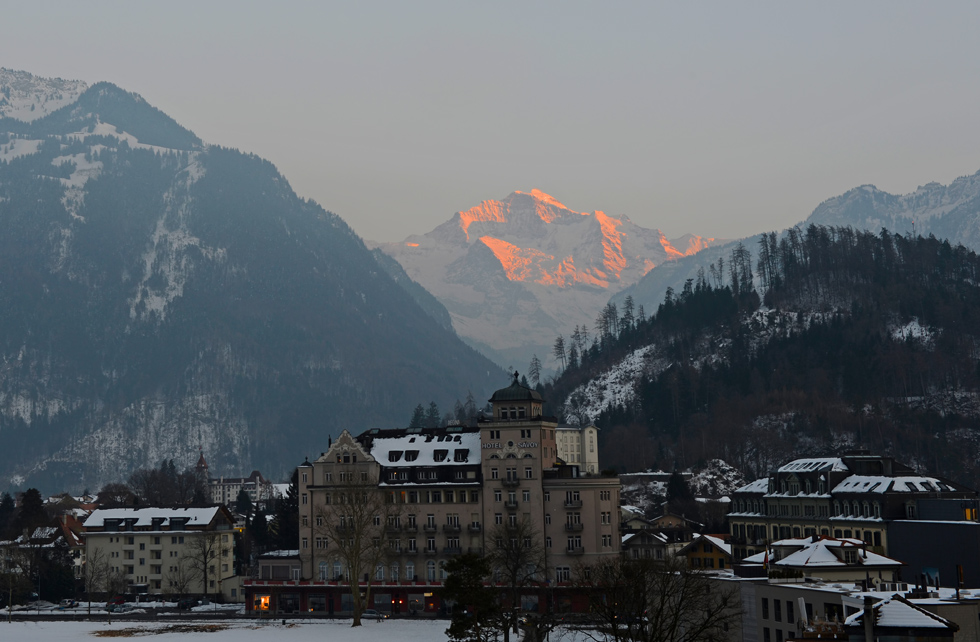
(159, 295)
(26, 97)
(517, 272)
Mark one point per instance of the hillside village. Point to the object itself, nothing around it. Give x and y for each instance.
(380, 521)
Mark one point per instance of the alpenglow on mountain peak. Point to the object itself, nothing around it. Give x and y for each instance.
(516, 272)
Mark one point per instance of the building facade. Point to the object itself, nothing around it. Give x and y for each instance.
(854, 496)
(446, 491)
(172, 551)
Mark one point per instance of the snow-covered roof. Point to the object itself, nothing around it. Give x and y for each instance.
(286, 552)
(718, 543)
(883, 484)
(835, 464)
(897, 612)
(758, 486)
(145, 516)
(820, 554)
(459, 449)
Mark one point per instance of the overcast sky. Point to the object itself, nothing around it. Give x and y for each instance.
(721, 119)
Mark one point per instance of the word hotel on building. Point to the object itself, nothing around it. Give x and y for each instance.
(447, 491)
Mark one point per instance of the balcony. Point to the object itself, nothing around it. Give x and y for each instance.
(431, 551)
(452, 550)
(412, 528)
(511, 482)
(393, 528)
(475, 550)
(573, 527)
(474, 527)
(577, 550)
(411, 551)
(430, 528)
(573, 503)
(511, 505)
(451, 528)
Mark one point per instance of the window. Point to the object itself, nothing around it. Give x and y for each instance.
(497, 495)
(547, 518)
(142, 546)
(527, 496)
(547, 495)
(494, 473)
(777, 610)
(528, 472)
(430, 570)
(498, 518)
(766, 636)
(547, 542)
(304, 499)
(394, 572)
(607, 541)
(563, 574)
(765, 609)
(789, 611)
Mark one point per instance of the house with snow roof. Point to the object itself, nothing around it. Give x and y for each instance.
(825, 558)
(708, 552)
(862, 496)
(157, 550)
(897, 618)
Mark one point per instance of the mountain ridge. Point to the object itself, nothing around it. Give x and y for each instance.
(556, 264)
(158, 300)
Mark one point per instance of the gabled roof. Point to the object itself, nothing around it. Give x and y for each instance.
(715, 540)
(897, 612)
(884, 484)
(758, 486)
(820, 553)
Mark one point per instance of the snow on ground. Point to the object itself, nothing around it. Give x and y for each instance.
(27, 97)
(613, 387)
(18, 147)
(337, 630)
(913, 330)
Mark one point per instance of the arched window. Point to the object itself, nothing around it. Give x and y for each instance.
(836, 507)
(430, 570)
(877, 510)
(379, 572)
(442, 571)
(337, 570)
(324, 571)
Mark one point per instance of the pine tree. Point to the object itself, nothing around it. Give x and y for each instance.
(433, 417)
(534, 370)
(418, 417)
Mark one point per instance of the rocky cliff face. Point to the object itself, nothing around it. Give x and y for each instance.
(517, 272)
(158, 295)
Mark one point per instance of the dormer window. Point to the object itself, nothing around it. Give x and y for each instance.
(411, 455)
(394, 455)
(440, 455)
(461, 455)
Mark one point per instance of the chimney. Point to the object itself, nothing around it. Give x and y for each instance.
(869, 619)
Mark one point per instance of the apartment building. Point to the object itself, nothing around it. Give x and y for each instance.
(447, 491)
(175, 551)
(854, 496)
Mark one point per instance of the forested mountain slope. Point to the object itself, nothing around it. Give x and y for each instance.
(158, 295)
(854, 339)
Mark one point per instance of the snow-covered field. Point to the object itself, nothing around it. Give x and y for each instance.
(239, 631)
(219, 631)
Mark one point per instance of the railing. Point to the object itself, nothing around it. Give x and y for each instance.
(474, 528)
(573, 527)
(576, 550)
(573, 503)
(511, 505)
(452, 550)
(450, 528)
(430, 528)
(511, 482)
(412, 528)
(410, 551)
(431, 551)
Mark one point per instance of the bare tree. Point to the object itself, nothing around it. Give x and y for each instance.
(357, 512)
(658, 601)
(204, 553)
(180, 577)
(518, 560)
(12, 573)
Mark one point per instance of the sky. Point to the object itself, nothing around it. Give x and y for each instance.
(716, 118)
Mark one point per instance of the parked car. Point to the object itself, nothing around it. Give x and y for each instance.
(187, 603)
(67, 604)
(372, 614)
